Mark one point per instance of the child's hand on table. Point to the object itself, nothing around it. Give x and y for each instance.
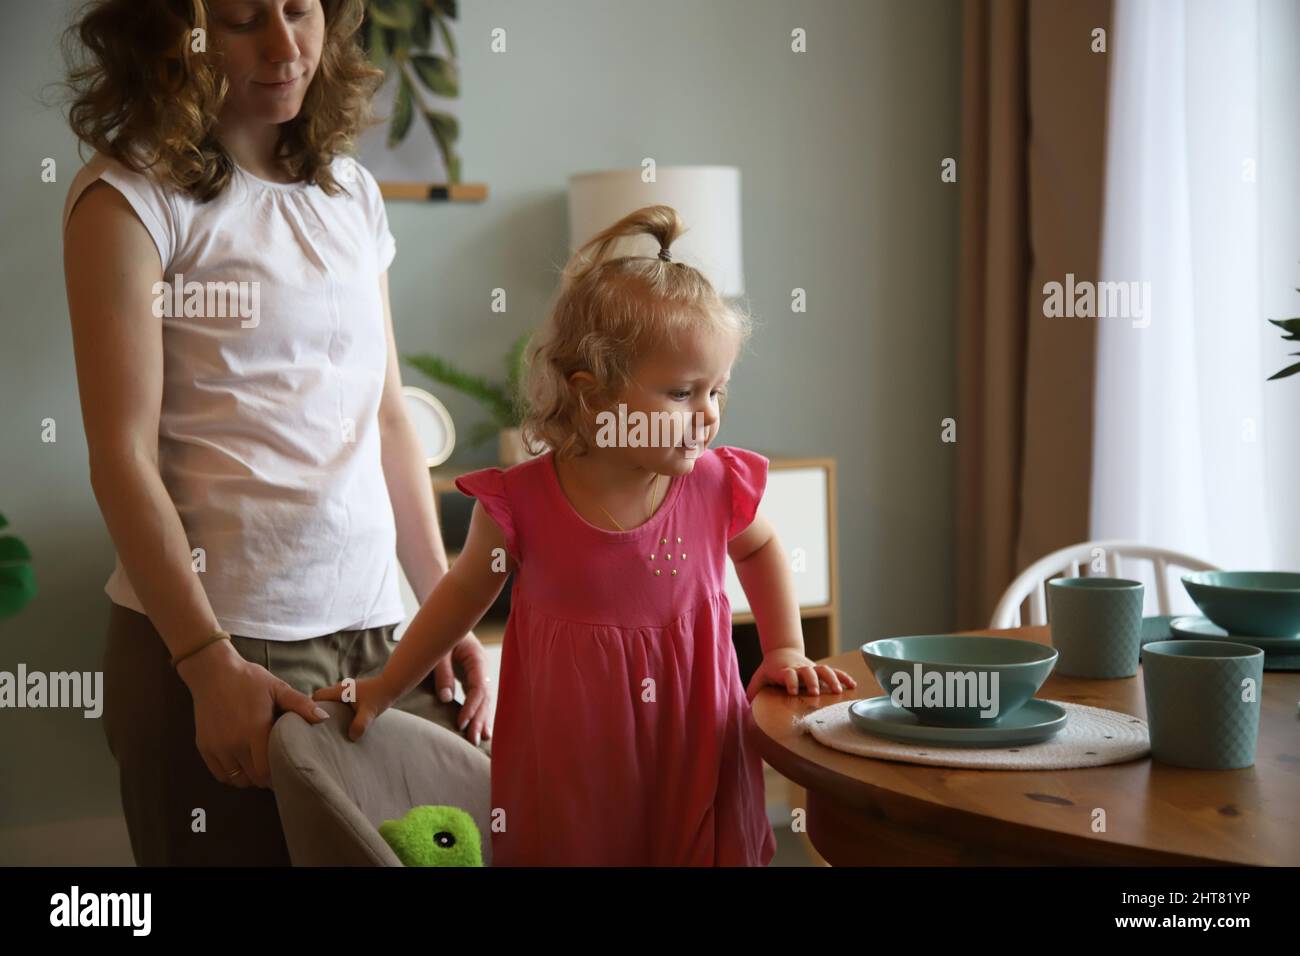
(785, 667)
(369, 699)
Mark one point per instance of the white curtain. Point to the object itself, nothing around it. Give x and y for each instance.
(1193, 448)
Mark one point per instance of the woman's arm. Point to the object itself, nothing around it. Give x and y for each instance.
(110, 266)
(419, 540)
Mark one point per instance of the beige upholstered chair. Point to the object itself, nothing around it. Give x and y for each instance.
(333, 793)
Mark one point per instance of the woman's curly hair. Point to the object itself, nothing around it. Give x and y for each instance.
(142, 95)
(609, 313)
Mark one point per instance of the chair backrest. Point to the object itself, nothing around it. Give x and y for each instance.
(1100, 558)
(332, 793)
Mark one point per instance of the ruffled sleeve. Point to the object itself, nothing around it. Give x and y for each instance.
(488, 487)
(747, 479)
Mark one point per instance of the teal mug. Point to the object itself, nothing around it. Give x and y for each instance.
(1203, 700)
(1096, 625)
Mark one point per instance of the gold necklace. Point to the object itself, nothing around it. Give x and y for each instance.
(654, 486)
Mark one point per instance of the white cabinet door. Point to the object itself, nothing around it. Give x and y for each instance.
(795, 501)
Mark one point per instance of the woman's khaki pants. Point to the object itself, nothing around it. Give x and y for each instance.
(149, 721)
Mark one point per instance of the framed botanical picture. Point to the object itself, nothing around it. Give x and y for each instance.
(414, 152)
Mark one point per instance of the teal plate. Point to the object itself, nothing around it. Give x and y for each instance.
(1034, 721)
(1281, 662)
(1203, 629)
(1156, 628)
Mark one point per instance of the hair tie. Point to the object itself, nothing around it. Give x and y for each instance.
(664, 255)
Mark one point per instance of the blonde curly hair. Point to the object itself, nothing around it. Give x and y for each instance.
(607, 314)
(140, 94)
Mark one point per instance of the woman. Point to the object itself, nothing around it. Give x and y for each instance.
(226, 269)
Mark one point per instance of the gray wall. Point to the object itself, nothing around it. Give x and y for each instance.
(839, 150)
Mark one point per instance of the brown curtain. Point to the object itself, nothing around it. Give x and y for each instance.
(1030, 172)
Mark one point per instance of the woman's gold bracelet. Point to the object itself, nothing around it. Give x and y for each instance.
(219, 636)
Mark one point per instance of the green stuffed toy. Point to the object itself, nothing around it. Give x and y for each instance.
(434, 836)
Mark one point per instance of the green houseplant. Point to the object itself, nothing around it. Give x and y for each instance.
(17, 579)
(398, 36)
(504, 404)
(1292, 329)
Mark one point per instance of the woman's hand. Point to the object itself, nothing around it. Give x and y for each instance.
(468, 661)
(369, 698)
(786, 667)
(235, 704)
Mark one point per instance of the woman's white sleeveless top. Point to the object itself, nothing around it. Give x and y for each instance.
(274, 356)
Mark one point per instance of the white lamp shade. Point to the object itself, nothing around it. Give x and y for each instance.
(707, 198)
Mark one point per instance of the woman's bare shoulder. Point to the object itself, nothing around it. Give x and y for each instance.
(104, 224)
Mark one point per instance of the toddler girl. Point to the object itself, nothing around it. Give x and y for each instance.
(622, 729)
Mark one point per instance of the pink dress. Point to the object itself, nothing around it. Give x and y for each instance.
(623, 736)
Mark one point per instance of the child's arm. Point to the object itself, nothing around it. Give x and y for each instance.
(765, 575)
(463, 595)
(458, 602)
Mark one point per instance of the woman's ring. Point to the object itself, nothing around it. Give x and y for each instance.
(235, 773)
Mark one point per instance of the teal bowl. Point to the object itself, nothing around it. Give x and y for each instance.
(1250, 603)
(980, 679)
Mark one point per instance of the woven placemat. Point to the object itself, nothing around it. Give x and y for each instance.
(1092, 737)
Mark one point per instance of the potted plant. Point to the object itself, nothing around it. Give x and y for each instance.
(17, 579)
(1292, 329)
(398, 36)
(503, 402)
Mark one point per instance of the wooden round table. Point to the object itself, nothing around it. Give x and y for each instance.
(862, 811)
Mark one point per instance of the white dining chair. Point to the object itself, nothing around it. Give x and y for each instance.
(1099, 558)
